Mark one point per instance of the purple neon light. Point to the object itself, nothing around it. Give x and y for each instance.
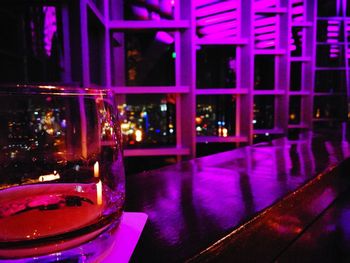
(263, 37)
(140, 12)
(204, 2)
(164, 37)
(265, 4)
(298, 10)
(155, 16)
(218, 28)
(164, 7)
(265, 29)
(264, 21)
(167, 6)
(332, 34)
(333, 30)
(216, 8)
(265, 44)
(50, 28)
(217, 19)
(221, 35)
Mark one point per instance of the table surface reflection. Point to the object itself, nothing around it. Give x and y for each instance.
(192, 204)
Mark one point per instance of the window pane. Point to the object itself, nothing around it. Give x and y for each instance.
(334, 107)
(330, 56)
(295, 75)
(327, 125)
(330, 81)
(150, 59)
(297, 41)
(148, 10)
(99, 4)
(216, 67)
(216, 115)
(31, 46)
(264, 72)
(148, 121)
(264, 112)
(96, 35)
(217, 20)
(331, 31)
(327, 8)
(294, 109)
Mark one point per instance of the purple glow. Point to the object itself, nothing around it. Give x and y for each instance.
(223, 34)
(217, 18)
(263, 30)
(164, 37)
(292, 47)
(265, 44)
(263, 37)
(155, 9)
(140, 12)
(204, 2)
(332, 34)
(264, 4)
(218, 28)
(50, 27)
(298, 18)
(216, 8)
(334, 50)
(167, 6)
(264, 21)
(333, 40)
(333, 28)
(155, 16)
(298, 10)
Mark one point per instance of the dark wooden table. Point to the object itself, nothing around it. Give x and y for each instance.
(193, 204)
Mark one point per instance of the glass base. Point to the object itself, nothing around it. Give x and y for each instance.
(90, 251)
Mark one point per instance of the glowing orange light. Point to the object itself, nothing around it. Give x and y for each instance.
(138, 135)
(318, 113)
(224, 132)
(292, 116)
(99, 193)
(49, 177)
(96, 170)
(198, 120)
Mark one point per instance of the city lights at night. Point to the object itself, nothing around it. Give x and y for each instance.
(174, 131)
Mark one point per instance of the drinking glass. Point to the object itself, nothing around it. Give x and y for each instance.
(62, 182)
